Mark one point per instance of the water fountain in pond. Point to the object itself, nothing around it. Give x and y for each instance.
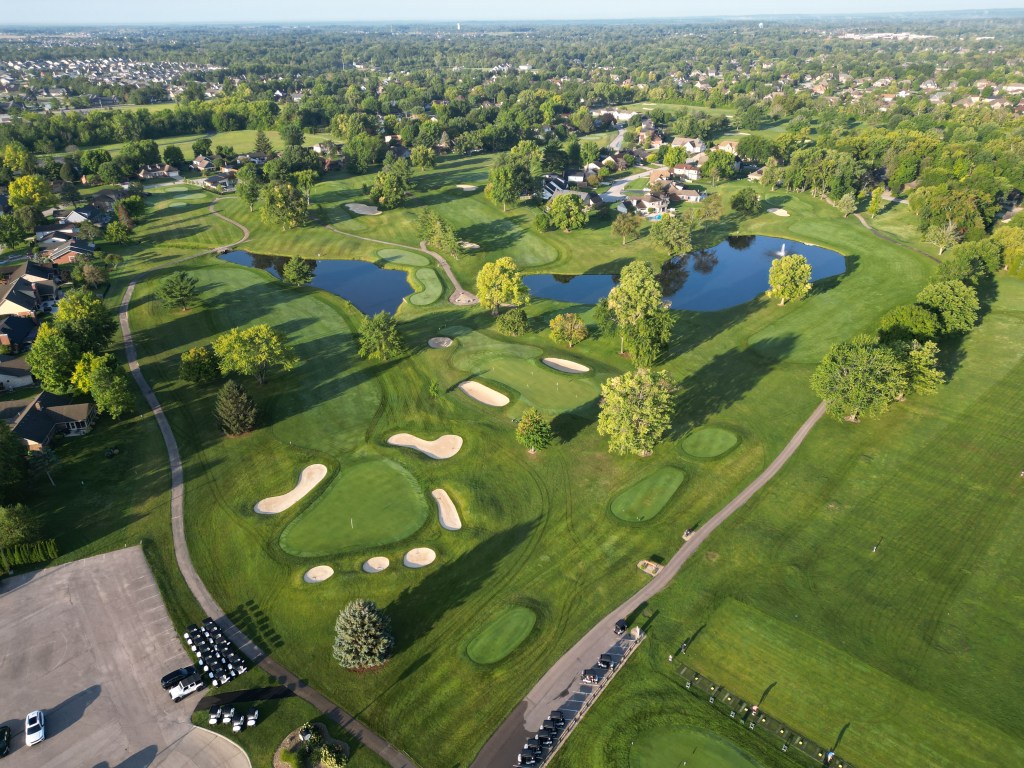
(781, 251)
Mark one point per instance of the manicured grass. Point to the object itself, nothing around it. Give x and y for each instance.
(179, 217)
(431, 287)
(645, 499)
(369, 504)
(502, 635)
(709, 442)
(685, 746)
(405, 258)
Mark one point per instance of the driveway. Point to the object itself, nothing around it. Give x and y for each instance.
(87, 642)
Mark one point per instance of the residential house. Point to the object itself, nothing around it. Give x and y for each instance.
(321, 149)
(27, 288)
(89, 213)
(108, 198)
(687, 171)
(730, 146)
(590, 200)
(658, 176)
(219, 183)
(203, 164)
(698, 160)
(690, 145)
(69, 252)
(159, 171)
(14, 373)
(690, 195)
(256, 158)
(17, 333)
(657, 140)
(756, 175)
(576, 176)
(551, 184)
(47, 415)
(651, 205)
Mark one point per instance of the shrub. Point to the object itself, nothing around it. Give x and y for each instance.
(513, 323)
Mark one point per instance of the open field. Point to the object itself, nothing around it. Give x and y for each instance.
(242, 141)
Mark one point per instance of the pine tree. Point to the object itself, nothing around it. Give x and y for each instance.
(263, 144)
(298, 271)
(362, 636)
(534, 431)
(379, 338)
(235, 410)
(178, 290)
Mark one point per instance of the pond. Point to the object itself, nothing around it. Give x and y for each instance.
(368, 287)
(733, 272)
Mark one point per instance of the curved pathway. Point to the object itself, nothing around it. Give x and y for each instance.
(283, 676)
(245, 230)
(460, 296)
(893, 240)
(552, 688)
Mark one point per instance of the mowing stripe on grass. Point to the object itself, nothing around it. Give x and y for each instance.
(645, 499)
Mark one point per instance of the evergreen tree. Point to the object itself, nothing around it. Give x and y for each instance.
(298, 271)
(534, 431)
(263, 144)
(235, 411)
(379, 338)
(13, 462)
(362, 636)
(178, 290)
(513, 323)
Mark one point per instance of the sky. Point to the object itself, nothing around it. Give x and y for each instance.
(104, 12)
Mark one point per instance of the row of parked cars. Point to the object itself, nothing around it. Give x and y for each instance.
(217, 661)
(228, 715)
(35, 731)
(535, 749)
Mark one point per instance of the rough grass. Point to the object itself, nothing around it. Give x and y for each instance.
(685, 746)
(369, 504)
(645, 499)
(498, 638)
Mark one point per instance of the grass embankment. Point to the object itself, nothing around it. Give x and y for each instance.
(894, 652)
(538, 531)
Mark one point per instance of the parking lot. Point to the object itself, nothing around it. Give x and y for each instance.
(88, 642)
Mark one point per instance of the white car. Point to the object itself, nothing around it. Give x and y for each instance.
(189, 685)
(35, 727)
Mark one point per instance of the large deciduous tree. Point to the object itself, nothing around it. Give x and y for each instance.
(642, 317)
(636, 411)
(282, 204)
(32, 191)
(392, 184)
(789, 278)
(500, 282)
(568, 329)
(672, 234)
(746, 202)
(627, 225)
(908, 322)
(100, 377)
(860, 377)
(81, 324)
(198, 365)
(567, 212)
(362, 636)
(379, 338)
(955, 303)
(253, 351)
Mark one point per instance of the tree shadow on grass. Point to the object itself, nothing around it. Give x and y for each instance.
(495, 235)
(416, 611)
(568, 424)
(951, 348)
(726, 379)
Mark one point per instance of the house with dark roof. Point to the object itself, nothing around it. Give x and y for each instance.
(219, 183)
(81, 215)
(17, 333)
(14, 373)
(589, 199)
(202, 163)
(47, 415)
(27, 288)
(551, 184)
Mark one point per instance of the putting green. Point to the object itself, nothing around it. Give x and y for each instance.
(368, 504)
(431, 290)
(645, 499)
(709, 442)
(674, 747)
(405, 258)
(518, 367)
(502, 635)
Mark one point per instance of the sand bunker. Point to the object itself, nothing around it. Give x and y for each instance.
(308, 479)
(376, 564)
(419, 557)
(446, 512)
(468, 246)
(439, 342)
(444, 447)
(467, 187)
(563, 365)
(483, 394)
(779, 211)
(317, 574)
(363, 210)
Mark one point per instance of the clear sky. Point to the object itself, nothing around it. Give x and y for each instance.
(63, 12)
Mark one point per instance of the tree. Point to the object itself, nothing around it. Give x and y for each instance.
(201, 146)
(718, 166)
(956, 304)
(877, 201)
(392, 184)
(858, 378)
(298, 271)
(90, 273)
(438, 234)
(16, 158)
(32, 191)
(642, 318)
(118, 233)
(500, 282)
(770, 174)
(423, 157)
(12, 233)
(789, 278)
(52, 358)
(568, 328)
(567, 212)
(635, 411)
(291, 134)
(746, 202)
(627, 225)
(173, 155)
(908, 322)
(534, 431)
(501, 185)
(253, 351)
(305, 180)
(13, 462)
(847, 204)
(100, 377)
(943, 236)
(81, 324)
(198, 365)
(605, 318)
(248, 190)
(263, 145)
(379, 338)
(16, 526)
(281, 203)
(235, 411)
(362, 636)
(178, 290)
(672, 234)
(67, 171)
(514, 322)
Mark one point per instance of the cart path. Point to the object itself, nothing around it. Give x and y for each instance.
(893, 240)
(460, 296)
(529, 714)
(219, 215)
(281, 675)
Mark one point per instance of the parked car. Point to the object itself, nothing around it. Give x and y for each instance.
(5, 740)
(610, 660)
(557, 715)
(189, 685)
(214, 714)
(35, 727)
(544, 738)
(620, 626)
(171, 679)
